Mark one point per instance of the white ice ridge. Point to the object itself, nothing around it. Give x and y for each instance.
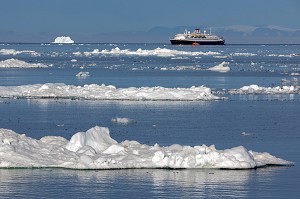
(95, 149)
(15, 63)
(255, 89)
(163, 52)
(16, 52)
(222, 67)
(103, 92)
(63, 40)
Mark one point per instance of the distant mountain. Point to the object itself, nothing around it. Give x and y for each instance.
(259, 34)
(238, 34)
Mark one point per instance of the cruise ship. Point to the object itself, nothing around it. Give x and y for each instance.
(197, 38)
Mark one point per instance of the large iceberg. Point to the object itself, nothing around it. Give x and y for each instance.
(63, 40)
(95, 149)
(103, 92)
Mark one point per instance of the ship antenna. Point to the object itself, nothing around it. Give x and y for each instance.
(210, 30)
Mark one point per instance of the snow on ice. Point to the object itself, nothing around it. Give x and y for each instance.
(15, 63)
(63, 40)
(103, 92)
(95, 149)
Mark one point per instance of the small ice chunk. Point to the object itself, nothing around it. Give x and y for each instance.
(223, 67)
(123, 120)
(82, 74)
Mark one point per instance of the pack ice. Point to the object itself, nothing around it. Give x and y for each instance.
(110, 92)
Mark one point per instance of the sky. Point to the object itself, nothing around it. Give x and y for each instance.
(30, 20)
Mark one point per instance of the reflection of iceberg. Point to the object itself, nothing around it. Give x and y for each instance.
(153, 183)
(63, 40)
(102, 92)
(95, 149)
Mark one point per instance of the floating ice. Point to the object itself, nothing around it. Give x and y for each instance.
(284, 55)
(223, 67)
(162, 52)
(102, 92)
(95, 149)
(255, 89)
(16, 52)
(181, 68)
(15, 63)
(63, 40)
(123, 120)
(244, 54)
(82, 74)
(295, 74)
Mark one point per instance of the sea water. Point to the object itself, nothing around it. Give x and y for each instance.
(261, 123)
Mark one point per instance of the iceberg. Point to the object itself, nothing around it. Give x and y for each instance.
(95, 149)
(63, 40)
(15, 63)
(103, 92)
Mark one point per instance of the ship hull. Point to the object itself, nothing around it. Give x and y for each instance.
(189, 42)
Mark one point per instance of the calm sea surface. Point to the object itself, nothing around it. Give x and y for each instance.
(260, 123)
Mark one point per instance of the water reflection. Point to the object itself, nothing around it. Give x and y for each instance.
(143, 183)
(42, 103)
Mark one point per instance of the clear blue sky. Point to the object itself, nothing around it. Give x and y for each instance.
(19, 18)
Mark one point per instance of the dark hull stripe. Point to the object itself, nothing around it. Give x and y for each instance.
(186, 42)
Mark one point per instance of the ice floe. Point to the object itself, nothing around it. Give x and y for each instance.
(162, 52)
(103, 92)
(15, 63)
(95, 149)
(255, 89)
(123, 120)
(181, 68)
(16, 52)
(82, 75)
(244, 54)
(63, 40)
(223, 67)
